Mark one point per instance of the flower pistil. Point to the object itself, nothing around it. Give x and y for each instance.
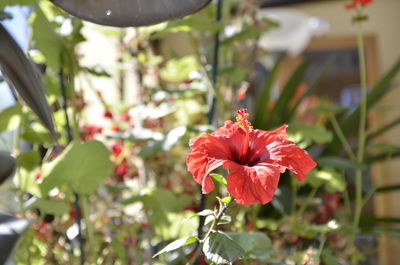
(242, 119)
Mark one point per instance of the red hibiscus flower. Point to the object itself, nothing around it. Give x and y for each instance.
(355, 3)
(255, 159)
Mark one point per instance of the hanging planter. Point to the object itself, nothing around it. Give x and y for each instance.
(24, 77)
(126, 13)
(7, 166)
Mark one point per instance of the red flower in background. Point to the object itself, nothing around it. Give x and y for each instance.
(355, 3)
(255, 159)
(88, 132)
(107, 114)
(125, 117)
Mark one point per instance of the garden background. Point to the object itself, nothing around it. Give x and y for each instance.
(98, 174)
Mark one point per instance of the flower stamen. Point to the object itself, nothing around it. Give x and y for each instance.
(242, 119)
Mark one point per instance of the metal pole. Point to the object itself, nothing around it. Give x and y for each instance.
(77, 207)
(212, 99)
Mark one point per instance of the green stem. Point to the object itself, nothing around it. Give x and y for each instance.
(363, 121)
(342, 138)
(89, 227)
(307, 202)
(361, 131)
(294, 194)
(321, 247)
(218, 216)
(75, 121)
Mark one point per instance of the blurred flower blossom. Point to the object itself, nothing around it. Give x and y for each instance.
(356, 3)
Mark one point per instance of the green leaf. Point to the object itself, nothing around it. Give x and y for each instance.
(159, 202)
(249, 32)
(334, 181)
(227, 199)
(235, 74)
(5, 3)
(119, 248)
(337, 162)
(35, 133)
(384, 129)
(328, 109)
(225, 219)
(388, 188)
(373, 219)
(175, 227)
(328, 177)
(281, 109)
(10, 118)
(46, 39)
(205, 212)
(221, 249)
(56, 207)
(219, 178)
(178, 70)
(187, 240)
(261, 107)
(255, 244)
(28, 160)
(83, 166)
(384, 147)
(307, 134)
(330, 259)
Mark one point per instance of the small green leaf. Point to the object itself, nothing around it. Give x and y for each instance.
(221, 249)
(331, 109)
(10, 118)
(337, 162)
(178, 70)
(5, 3)
(225, 219)
(219, 178)
(84, 166)
(46, 39)
(28, 160)
(227, 200)
(332, 180)
(187, 240)
(209, 219)
(308, 134)
(205, 212)
(56, 207)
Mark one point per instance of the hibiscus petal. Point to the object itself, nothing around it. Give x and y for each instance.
(289, 155)
(259, 139)
(252, 184)
(208, 153)
(200, 166)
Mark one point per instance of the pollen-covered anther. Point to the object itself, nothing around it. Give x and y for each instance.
(242, 119)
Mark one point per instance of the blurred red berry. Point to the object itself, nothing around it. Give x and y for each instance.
(115, 128)
(38, 175)
(107, 114)
(89, 132)
(116, 148)
(125, 117)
